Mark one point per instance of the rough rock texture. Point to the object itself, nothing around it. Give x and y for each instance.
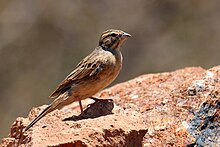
(180, 108)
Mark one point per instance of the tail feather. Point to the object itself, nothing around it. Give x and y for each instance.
(56, 104)
(42, 114)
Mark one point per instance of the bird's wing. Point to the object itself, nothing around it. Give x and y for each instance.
(85, 69)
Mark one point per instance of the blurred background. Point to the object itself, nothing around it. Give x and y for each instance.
(42, 41)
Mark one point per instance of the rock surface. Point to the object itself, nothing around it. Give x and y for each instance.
(180, 108)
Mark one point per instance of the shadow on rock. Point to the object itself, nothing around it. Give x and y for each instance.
(100, 107)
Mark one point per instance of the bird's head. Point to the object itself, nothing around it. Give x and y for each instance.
(113, 39)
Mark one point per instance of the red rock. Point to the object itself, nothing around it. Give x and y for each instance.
(179, 108)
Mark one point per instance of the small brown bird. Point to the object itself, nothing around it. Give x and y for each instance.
(91, 75)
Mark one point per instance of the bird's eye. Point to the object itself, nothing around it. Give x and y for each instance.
(114, 35)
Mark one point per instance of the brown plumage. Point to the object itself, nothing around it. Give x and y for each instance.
(91, 75)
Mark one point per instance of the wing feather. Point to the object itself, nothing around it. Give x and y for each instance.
(86, 68)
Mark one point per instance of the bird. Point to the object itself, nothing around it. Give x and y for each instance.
(94, 73)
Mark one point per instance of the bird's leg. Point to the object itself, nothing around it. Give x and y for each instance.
(83, 113)
(80, 105)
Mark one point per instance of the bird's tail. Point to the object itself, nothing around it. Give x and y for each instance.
(42, 114)
(54, 105)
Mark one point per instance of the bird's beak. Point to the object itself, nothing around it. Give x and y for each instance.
(126, 35)
(123, 38)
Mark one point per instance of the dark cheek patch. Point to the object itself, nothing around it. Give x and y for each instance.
(109, 42)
